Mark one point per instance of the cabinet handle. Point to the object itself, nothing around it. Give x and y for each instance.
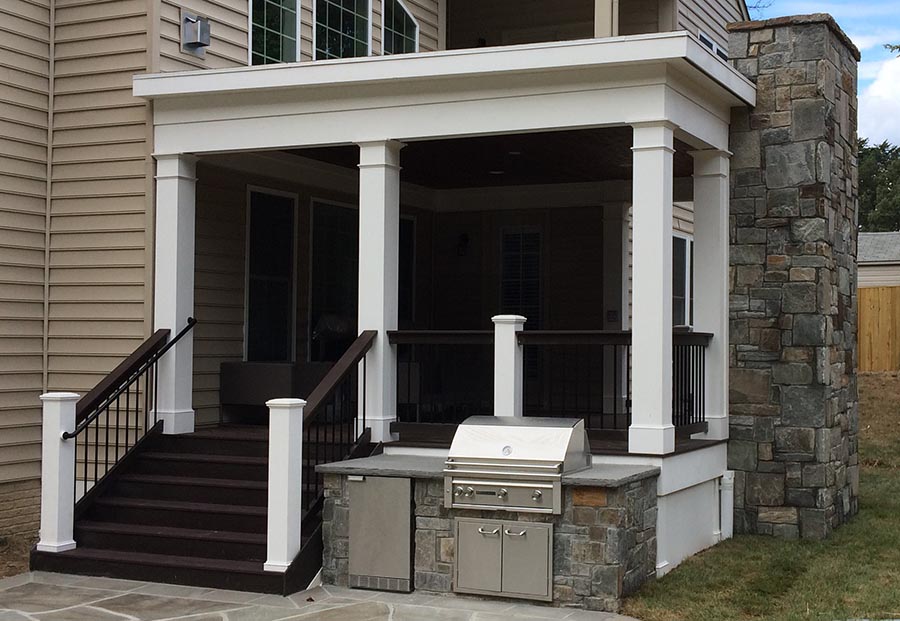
(509, 533)
(488, 532)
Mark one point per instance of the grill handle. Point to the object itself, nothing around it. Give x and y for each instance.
(509, 533)
(482, 531)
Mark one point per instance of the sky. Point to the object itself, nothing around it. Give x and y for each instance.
(871, 24)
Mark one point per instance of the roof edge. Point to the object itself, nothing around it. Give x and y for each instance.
(799, 20)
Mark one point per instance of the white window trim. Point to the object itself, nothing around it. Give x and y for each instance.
(384, 27)
(296, 199)
(314, 24)
(688, 275)
(299, 9)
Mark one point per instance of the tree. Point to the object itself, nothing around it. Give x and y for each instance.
(757, 7)
(879, 186)
(893, 48)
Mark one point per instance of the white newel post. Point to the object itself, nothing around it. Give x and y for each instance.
(508, 365)
(57, 472)
(379, 259)
(174, 286)
(711, 198)
(651, 428)
(285, 508)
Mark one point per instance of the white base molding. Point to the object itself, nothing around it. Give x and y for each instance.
(176, 422)
(55, 547)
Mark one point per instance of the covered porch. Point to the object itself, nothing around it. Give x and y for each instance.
(575, 199)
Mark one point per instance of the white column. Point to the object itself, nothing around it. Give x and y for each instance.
(174, 286)
(379, 259)
(711, 199)
(508, 365)
(285, 508)
(651, 427)
(57, 472)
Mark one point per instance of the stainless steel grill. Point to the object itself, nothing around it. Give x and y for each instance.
(516, 464)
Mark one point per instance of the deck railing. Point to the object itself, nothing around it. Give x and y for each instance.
(443, 377)
(578, 374)
(84, 440)
(334, 419)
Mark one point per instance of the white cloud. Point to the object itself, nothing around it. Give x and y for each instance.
(870, 70)
(875, 38)
(840, 9)
(879, 105)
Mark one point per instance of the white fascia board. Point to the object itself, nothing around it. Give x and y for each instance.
(532, 58)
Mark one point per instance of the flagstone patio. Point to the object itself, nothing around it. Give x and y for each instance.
(39, 596)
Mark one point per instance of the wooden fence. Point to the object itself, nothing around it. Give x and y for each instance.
(879, 329)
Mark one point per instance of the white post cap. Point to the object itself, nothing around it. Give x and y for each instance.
(60, 396)
(508, 319)
(285, 403)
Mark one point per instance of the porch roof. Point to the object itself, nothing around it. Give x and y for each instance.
(680, 48)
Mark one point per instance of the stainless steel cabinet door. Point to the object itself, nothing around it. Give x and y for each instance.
(526, 559)
(478, 555)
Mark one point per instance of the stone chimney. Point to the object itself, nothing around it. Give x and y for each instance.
(793, 395)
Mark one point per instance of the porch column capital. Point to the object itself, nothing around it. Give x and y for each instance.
(654, 136)
(380, 154)
(176, 166)
(711, 163)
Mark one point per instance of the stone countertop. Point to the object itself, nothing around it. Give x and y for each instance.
(424, 467)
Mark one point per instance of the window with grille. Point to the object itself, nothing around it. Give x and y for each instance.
(520, 286)
(342, 28)
(401, 32)
(274, 32)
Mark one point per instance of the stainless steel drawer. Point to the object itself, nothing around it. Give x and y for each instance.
(512, 559)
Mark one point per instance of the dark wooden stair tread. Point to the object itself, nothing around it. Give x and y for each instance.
(172, 532)
(240, 460)
(177, 505)
(168, 561)
(161, 479)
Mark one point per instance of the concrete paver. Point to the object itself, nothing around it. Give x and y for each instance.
(41, 596)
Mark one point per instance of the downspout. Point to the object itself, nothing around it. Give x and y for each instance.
(51, 70)
(726, 500)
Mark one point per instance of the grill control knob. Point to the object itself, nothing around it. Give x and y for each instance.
(537, 495)
(502, 493)
(458, 492)
(470, 491)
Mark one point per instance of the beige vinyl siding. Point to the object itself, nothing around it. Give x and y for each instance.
(710, 16)
(219, 283)
(502, 22)
(879, 275)
(99, 273)
(229, 20)
(24, 103)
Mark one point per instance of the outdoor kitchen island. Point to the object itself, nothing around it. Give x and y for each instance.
(387, 525)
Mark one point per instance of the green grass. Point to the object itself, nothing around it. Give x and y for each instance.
(855, 574)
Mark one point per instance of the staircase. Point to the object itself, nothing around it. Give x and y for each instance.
(191, 509)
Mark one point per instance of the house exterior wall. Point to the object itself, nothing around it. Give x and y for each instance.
(879, 276)
(24, 118)
(710, 17)
(794, 409)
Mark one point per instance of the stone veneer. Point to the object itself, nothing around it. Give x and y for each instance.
(794, 413)
(604, 543)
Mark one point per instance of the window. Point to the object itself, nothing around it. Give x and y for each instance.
(270, 277)
(401, 32)
(274, 31)
(520, 286)
(682, 281)
(342, 28)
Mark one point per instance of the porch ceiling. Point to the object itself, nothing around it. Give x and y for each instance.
(581, 156)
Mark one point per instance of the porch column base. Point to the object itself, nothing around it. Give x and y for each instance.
(718, 429)
(175, 422)
(381, 429)
(651, 440)
(62, 546)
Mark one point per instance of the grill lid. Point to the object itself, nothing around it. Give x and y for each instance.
(557, 441)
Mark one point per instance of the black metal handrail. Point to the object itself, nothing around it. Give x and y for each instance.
(136, 382)
(443, 376)
(334, 419)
